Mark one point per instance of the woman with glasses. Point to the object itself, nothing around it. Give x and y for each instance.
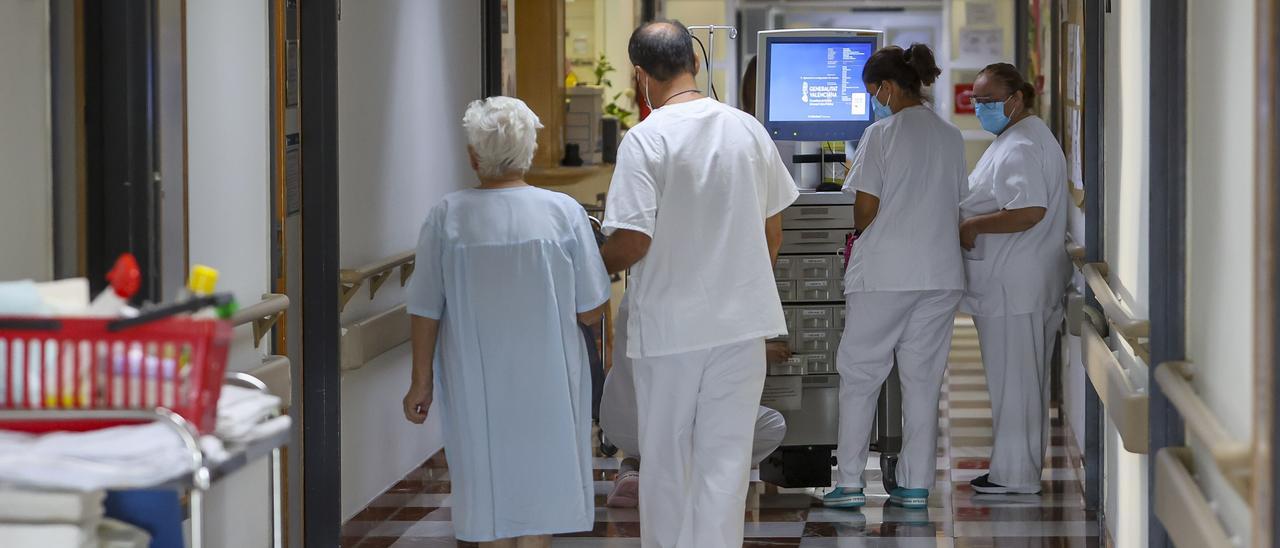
(1013, 229)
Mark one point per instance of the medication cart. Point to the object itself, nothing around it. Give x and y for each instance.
(809, 95)
(806, 388)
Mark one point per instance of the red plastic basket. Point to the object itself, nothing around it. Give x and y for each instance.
(72, 363)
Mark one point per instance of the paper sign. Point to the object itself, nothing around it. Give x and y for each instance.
(985, 43)
(1074, 61)
(783, 393)
(979, 14)
(1075, 153)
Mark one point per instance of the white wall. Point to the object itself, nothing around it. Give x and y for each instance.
(406, 71)
(1127, 98)
(26, 180)
(1126, 200)
(228, 162)
(229, 170)
(1220, 230)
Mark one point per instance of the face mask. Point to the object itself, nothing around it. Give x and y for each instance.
(992, 116)
(882, 110)
(646, 91)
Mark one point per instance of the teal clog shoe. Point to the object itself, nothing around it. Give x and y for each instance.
(844, 497)
(909, 498)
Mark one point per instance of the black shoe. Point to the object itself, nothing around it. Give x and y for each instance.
(983, 485)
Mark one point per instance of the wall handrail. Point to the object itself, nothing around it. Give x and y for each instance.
(1233, 457)
(1077, 254)
(1125, 404)
(264, 315)
(1132, 329)
(1181, 505)
(376, 273)
(367, 339)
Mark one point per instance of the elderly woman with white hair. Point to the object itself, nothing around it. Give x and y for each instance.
(505, 271)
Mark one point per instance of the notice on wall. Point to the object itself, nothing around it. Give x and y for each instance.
(980, 14)
(1075, 60)
(984, 43)
(1075, 152)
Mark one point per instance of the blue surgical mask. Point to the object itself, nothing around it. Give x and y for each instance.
(881, 110)
(992, 116)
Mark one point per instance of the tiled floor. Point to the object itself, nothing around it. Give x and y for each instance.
(415, 512)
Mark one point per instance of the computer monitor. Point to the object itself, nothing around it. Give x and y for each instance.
(809, 83)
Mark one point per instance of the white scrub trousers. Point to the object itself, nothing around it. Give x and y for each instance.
(1015, 352)
(915, 326)
(697, 414)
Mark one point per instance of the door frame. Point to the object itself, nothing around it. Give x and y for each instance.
(322, 384)
(1167, 230)
(1266, 525)
(1092, 149)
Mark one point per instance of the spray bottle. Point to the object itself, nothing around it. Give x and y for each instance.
(125, 278)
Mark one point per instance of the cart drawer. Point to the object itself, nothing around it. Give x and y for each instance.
(840, 312)
(819, 364)
(787, 290)
(784, 268)
(814, 317)
(817, 216)
(816, 267)
(818, 290)
(812, 241)
(797, 364)
(817, 341)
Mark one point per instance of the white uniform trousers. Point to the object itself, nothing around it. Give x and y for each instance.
(697, 416)
(915, 326)
(1015, 353)
(621, 430)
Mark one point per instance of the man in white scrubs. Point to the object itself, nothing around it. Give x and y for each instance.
(694, 210)
(1015, 224)
(905, 275)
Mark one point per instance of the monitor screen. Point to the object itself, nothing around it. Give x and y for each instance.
(812, 86)
(818, 81)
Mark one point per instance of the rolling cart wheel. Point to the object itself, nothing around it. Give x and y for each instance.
(607, 449)
(889, 471)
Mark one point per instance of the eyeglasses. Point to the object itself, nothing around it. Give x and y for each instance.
(988, 99)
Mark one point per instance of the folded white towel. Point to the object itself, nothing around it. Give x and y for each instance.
(241, 409)
(62, 507)
(48, 536)
(112, 458)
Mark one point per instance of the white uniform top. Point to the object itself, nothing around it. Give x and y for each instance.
(914, 163)
(506, 272)
(699, 178)
(1027, 271)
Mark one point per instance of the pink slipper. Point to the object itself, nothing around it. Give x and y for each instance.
(626, 491)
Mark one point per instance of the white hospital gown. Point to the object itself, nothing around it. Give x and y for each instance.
(506, 271)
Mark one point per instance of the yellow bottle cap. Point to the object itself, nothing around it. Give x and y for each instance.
(203, 280)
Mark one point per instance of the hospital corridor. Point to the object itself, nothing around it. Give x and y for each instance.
(639, 273)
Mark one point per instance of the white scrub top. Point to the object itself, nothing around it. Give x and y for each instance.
(507, 271)
(1027, 271)
(699, 178)
(914, 163)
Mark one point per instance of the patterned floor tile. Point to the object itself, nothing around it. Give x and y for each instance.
(416, 512)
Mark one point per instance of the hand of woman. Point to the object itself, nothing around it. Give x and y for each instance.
(776, 352)
(416, 403)
(968, 235)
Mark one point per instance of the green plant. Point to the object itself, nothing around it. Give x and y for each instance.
(603, 68)
(622, 114)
